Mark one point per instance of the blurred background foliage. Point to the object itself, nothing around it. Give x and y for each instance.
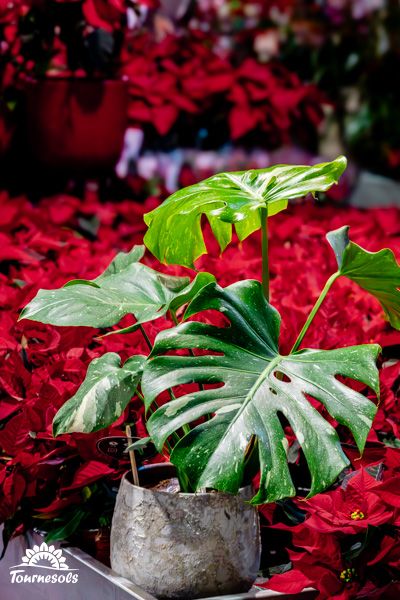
(316, 77)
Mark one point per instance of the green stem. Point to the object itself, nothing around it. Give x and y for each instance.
(151, 410)
(264, 251)
(140, 396)
(174, 318)
(314, 311)
(150, 347)
(154, 403)
(175, 436)
(146, 338)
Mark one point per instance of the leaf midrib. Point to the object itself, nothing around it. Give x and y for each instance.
(263, 375)
(245, 188)
(125, 301)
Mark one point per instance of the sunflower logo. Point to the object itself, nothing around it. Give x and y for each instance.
(44, 556)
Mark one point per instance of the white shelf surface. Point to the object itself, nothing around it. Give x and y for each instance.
(96, 581)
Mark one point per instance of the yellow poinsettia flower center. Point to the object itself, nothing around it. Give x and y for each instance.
(357, 515)
(347, 575)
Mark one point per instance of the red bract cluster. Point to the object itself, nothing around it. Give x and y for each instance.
(113, 14)
(271, 99)
(180, 74)
(183, 76)
(346, 541)
(106, 14)
(63, 38)
(8, 10)
(348, 546)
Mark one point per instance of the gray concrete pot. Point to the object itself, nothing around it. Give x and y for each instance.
(185, 545)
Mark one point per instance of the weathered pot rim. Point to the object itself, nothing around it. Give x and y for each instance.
(125, 480)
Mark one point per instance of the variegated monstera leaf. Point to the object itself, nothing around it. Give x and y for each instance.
(258, 385)
(241, 199)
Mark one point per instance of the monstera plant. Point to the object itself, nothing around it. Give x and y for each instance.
(232, 424)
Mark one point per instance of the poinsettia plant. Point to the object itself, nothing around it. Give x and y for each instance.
(72, 38)
(231, 425)
(184, 90)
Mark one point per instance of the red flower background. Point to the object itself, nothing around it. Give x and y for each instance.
(178, 86)
(183, 77)
(344, 542)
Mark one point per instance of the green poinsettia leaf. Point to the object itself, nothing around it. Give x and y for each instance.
(102, 397)
(125, 287)
(376, 272)
(175, 235)
(259, 386)
(66, 530)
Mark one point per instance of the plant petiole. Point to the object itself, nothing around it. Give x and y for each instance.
(314, 311)
(264, 251)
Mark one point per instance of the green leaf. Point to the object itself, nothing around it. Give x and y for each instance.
(102, 397)
(175, 235)
(125, 287)
(64, 531)
(139, 444)
(259, 385)
(376, 272)
(122, 261)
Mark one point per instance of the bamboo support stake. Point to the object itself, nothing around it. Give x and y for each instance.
(132, 457)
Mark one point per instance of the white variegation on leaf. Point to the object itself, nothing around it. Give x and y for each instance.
(175, 235)
(259, 386)
(102, 397)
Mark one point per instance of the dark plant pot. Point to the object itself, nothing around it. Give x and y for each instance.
(76, 124)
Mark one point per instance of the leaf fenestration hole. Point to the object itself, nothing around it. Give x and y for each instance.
(282, 376)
